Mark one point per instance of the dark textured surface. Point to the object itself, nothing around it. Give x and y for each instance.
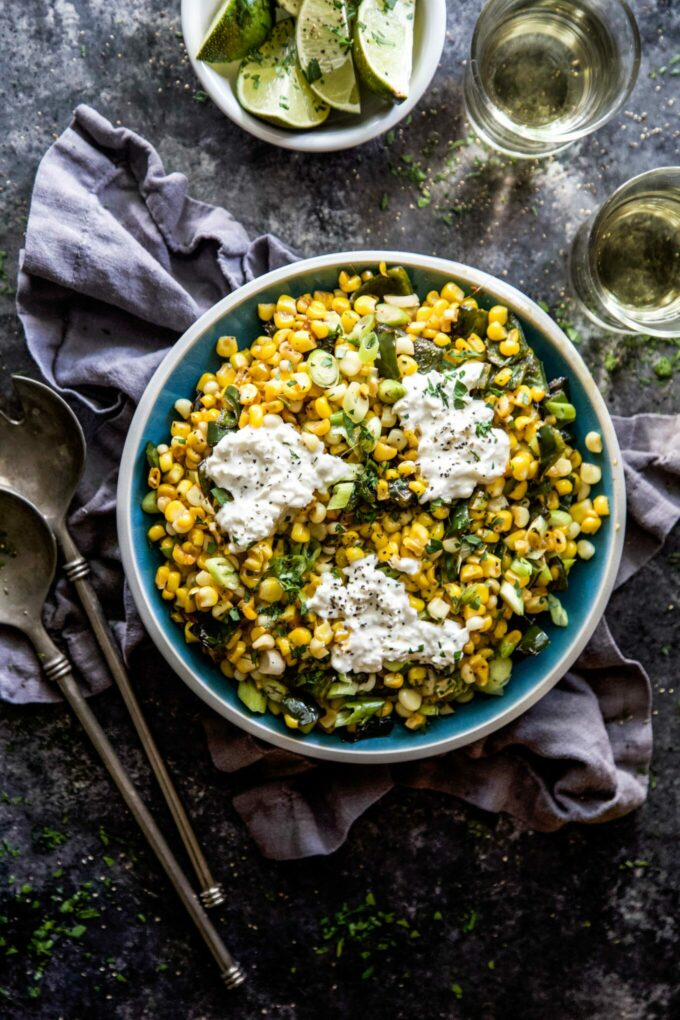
(508, 924)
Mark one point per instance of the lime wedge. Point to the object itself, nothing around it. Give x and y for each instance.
(383, 46)
(324, 44)
(237, 27)
(271, 84)
(291, 6)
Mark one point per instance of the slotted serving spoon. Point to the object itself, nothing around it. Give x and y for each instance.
(28, 558)
(42, 456)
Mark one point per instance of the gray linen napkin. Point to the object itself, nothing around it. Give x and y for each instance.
(118, 261)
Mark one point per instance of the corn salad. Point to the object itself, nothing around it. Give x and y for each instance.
(333, 364)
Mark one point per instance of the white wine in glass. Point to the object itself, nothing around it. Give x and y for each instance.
(625, 261)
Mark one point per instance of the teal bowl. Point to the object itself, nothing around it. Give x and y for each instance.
(591, 582)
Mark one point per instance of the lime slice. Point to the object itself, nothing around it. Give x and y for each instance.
(324, 44)
(271, 84)
(237, 27)
(292, 6)
(383, 46)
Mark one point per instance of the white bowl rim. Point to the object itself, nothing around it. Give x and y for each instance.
(504, 293)
(322, 139)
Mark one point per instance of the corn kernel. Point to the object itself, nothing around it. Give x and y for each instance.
(248, 394)
(174, 580)
(184, 522)
(322, 407)
(270, 590)
(317, 310)
(263, 349)
(319, 329)
(183, 407)
(499, 314)
(496, 331)
(174, 510)
(417, 486)
(240, 360)
(594, 442)
(452, 292)
(502, 520)
(300, 533)
(349, 283)
(365, 304)
(301, 385)
(302, 342)
(520, 465)
(255, 416)
(283, 320)
(300, 636)
(407, 365)
(508, 348)
(601, 506)
(225, 347)
(579, 511)
(265, 311)
(206, 597)
(162, 576)
(384, 452)
(590, 524)
(591, 474)
(585, 549)
(348, 320)
(560, 469)
(319, 428)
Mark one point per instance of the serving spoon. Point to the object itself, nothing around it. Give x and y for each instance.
(28, 558)
(42, 456)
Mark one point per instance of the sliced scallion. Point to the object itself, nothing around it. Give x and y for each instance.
(390, 390)
(149, 504)
(369, 348)
(323, 368)
(223, 572)
(342, 493)
(512, 598)
(558, 614)
(361, 329)
(354, 403)
(499, 674)
(390, 315)
(251, 697)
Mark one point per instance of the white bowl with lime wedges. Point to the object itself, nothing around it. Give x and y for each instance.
(315, 75)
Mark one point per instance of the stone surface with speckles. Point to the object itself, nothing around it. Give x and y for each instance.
(496, 922)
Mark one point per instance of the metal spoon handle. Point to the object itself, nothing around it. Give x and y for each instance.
(77, 569)
(58, 669)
